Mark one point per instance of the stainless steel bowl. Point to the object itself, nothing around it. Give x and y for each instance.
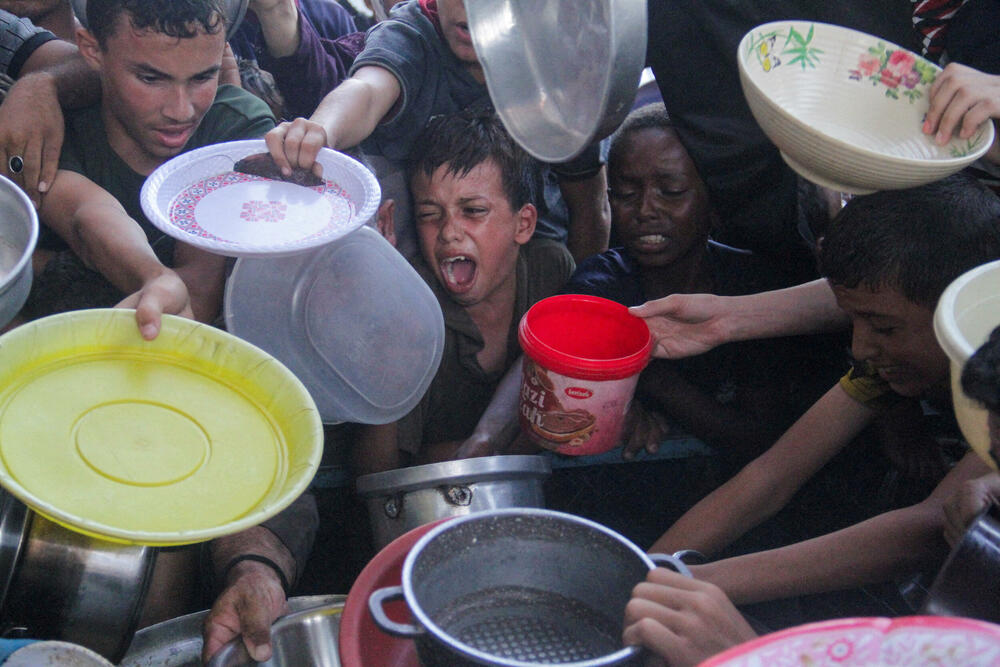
(308, 637)
(561, 73)
(177, 642)
(18, 236)
(400, 500)
(234, 11)
(64, 585)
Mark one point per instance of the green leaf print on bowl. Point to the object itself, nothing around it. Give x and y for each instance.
(901, 72)
(794, 49)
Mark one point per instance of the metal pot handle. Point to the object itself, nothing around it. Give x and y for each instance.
(376, 605)
(672, 562)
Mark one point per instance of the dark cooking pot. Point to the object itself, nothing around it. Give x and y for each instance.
(59, 584)
(969, 581)
(519, 588)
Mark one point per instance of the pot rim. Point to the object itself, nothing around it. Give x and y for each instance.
(14, 522)
(471, 653)
(462, 471)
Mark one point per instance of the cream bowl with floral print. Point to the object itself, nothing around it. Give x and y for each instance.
(846, 109)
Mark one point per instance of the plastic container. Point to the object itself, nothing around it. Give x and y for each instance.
(969, 309)
(583, 355)
(353, 320)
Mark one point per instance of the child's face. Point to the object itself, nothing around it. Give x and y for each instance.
(895, 336)
(455, 27)
(659, 204)
(468, 233)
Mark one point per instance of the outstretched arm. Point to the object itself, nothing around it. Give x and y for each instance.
(345, 118)
(768, 482)
(688, 324)
(875, 550)
(99, 231)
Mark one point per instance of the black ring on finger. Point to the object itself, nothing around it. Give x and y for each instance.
(15, 164)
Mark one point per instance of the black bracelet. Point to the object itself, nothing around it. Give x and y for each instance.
(257, 559)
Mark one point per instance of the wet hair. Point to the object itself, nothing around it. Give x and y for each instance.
(465, 140)
(981, 374)
(915, 241)
(175, 18)
(652, 116)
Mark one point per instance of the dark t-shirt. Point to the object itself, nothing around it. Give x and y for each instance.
(692, 51)
(461, 389)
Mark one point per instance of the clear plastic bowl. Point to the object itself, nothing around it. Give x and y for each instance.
(353, 320)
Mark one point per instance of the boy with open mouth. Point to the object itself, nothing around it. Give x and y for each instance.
(472, 197)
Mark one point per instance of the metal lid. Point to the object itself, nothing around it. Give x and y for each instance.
(464, 471)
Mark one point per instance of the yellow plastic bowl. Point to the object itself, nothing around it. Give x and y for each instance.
(969, 309)
(191, 436)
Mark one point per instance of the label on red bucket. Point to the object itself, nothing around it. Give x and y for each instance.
(570, 415)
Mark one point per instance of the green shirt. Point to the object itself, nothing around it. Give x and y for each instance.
(461, 389)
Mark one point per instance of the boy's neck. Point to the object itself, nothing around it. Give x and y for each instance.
(687, 275)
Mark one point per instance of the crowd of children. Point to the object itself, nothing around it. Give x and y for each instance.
(752, 351)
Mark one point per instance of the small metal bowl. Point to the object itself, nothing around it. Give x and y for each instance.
(18, 236)
(308, 637)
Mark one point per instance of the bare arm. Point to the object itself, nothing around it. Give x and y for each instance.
(347, 116)
(252, 596)
(769, 481)
(687, 324)
(499, 424)
(99, 231)
(279, 24)
(376, 450)
(874, 550)
(589, 214)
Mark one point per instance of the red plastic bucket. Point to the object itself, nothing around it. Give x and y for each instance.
(583, 355)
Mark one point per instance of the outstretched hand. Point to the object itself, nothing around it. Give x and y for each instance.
(295, 144)
(682, 621)
(166, 293)
(250, 603)
(684, 325)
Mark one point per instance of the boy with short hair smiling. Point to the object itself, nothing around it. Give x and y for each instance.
(888, 257)
(472, 196)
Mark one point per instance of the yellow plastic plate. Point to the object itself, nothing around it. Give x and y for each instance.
(191, 436)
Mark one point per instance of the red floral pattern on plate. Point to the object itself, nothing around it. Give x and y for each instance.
(183, 207)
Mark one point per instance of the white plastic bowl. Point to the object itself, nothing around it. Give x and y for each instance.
(846, 108)
(969, 309)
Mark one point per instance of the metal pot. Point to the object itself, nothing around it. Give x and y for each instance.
(400, 500)
(517, 588)
(178, 642)
(969, 581)
(303, 638)
(234, 11)
(18, 235)
(561, 73)
(59, 584)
